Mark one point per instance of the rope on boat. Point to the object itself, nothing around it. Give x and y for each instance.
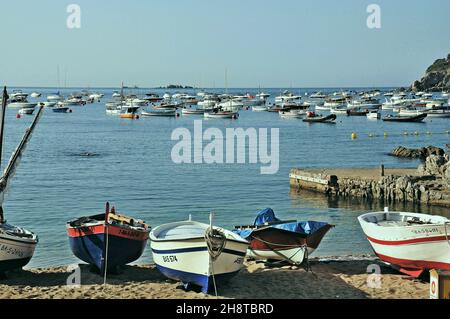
(289, 259)
(215, 241)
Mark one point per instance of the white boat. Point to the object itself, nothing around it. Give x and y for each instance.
(262, 108)
(292, 114)
(322, 108)
(410, 112)
(197, 254)
(440, 113)
(17, 244)
(27, 111)
(96, 96)
(21, 105)
(412, 243)
(194, 110)
(231, 105)
(339, 110)
(219, 114)
(35, 95)
(54, 97)
(160, 112)
(374, 115)
(318, 95)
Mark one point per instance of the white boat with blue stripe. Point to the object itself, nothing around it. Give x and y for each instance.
(197, 254)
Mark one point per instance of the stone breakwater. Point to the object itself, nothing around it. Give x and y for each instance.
(429, 184)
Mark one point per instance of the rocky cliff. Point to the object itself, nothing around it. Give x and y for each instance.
(437, 77)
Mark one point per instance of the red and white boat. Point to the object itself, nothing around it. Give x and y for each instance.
(412, 243)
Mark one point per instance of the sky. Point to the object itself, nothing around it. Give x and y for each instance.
(282, 43)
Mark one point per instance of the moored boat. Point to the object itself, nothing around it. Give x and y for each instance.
(313, 118)
(107, 241)
(17, 245)
(288, 241)
(412, 118)
(220, 114)
(374, 115)
(160, 112)
(129, 112)
(197, 254)
(412, 243)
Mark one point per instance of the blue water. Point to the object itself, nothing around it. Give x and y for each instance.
(132, 168)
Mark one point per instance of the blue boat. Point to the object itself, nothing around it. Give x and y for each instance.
(107, 241)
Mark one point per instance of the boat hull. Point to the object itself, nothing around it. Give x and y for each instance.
(189, 261)
(410, 249)
(124, 245)
(15, 253)
(275, 244)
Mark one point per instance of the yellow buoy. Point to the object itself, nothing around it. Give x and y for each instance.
(386, 134)
(354, 136)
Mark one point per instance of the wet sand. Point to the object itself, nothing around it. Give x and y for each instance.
(329, 279)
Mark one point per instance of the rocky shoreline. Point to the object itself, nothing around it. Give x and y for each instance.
(437, 77)
(429, 184)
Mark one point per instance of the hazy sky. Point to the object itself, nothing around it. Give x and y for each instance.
(279, 43)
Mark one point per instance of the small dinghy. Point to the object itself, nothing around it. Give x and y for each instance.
(413, 118)
(197, 254)
(17, 244)
(411, 243)
(356, 112)
(195, 111)
(288, 241)
(107, 241)
(262, 108)
(313, 118)
(26, 111)
(160, 112)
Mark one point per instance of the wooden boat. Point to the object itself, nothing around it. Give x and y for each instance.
(160, 112)
(197, 254)
(129, 112)
(195, 111)
(107, 241)
(288, 241)
(413, 118)
(17, 244)
(312, 118)
(412, 243)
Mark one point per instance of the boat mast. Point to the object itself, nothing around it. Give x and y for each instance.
(4, 101)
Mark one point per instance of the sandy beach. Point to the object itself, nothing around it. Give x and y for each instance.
(329, 279)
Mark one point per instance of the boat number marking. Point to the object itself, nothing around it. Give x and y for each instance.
(239, 261)
(425, 231)
(170, 259)
(11, 251)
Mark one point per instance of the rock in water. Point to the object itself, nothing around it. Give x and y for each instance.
(421, 153)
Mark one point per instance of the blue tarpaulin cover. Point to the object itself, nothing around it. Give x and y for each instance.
(268, 216)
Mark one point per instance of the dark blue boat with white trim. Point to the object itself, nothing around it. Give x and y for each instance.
(197, 254)
(107, 241)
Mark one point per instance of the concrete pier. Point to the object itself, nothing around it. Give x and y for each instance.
(389, 184)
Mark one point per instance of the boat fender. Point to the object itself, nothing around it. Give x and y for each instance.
(137, 117)
(18, 116)
(178, 114)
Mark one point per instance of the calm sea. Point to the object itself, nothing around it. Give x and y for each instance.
(131, 167)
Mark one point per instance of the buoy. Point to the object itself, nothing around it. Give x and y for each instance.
(178, 114)
(429, 133)
(70, 111)
(370, 135)
(137, 117)
(18, 116)
(386, 134)
(354, 136)
(405, 133)
(416, 133)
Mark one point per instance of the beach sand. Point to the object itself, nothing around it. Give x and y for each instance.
(329, 279)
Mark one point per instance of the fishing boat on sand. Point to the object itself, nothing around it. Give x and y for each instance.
(17, 244)
(107, 241)
(199, 255)
(314, 118)
(287, 241)
(412, 118)
(411, 243)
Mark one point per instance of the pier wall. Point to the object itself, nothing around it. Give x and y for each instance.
(399, 186)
